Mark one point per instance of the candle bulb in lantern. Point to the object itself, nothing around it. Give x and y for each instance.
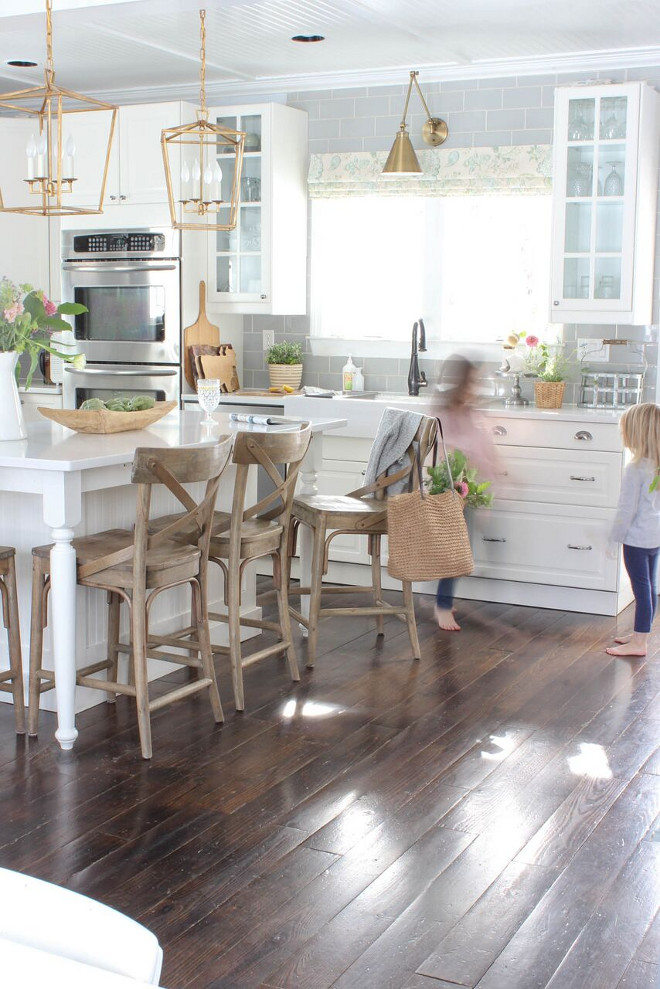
(68, 159)
(208, 179)
(217, 182)
(185, 181)
(196, 175)
(31, 152)
(42, 148)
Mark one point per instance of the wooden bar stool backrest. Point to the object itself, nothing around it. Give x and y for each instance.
(280, 455)
(172, 467)
(421, 446)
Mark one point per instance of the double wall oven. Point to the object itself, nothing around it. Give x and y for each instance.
(130, 281)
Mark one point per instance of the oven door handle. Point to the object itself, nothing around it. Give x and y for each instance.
(140, 373)
(109, 266)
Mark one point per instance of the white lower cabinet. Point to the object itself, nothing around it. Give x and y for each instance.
(31, 400)
(544, 542)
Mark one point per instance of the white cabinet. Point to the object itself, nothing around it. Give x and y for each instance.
(546, 537)
(344, 464)
(605, 180)
(35, 397)
(260, 267)
(136, 174)
(25, 241)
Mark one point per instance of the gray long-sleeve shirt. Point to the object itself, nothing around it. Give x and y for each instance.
(637, 521)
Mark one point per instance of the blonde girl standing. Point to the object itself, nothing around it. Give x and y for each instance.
(637, 523)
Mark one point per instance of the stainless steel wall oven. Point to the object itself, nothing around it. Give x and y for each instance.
(130, 281)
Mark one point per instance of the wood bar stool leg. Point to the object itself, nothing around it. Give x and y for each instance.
(114, 612)
(409, 602)
(234, 629)
(376, 580)
(198, 611)
(37, 625)
(315, 590)
(139, 625)
(281, 578)
(10, 601)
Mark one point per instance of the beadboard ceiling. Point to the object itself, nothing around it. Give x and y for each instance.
(139, 50)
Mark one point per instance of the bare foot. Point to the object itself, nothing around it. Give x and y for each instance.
(632, 645)
(445, 619)
(623, 638)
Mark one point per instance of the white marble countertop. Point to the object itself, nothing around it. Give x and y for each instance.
(50, 446)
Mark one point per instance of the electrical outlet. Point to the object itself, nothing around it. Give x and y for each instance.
(593, 351)
(268, 338)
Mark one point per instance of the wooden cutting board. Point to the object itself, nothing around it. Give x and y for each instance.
(200, 332)
(222, 367)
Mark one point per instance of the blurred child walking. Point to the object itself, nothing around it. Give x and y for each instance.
(637, 523)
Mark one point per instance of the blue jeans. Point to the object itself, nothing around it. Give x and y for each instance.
(445, 596)
(642, 567)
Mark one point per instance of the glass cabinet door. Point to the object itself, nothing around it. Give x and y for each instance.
(238, 253)
(595, 191)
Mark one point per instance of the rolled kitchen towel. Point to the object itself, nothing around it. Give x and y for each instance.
(394, 435)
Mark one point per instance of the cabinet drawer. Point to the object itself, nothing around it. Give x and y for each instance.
(559, 434)
(559, 476)
(519, 542)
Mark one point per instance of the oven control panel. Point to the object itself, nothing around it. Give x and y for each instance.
(128, 242)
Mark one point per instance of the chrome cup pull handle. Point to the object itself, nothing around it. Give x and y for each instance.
(499, 431)
(583, 434)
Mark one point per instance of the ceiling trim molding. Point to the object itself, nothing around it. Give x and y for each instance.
(277, 87)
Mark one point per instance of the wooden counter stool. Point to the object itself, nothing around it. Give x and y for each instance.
(250, 532)
(134, 567)
(11, 680)
(364, 512)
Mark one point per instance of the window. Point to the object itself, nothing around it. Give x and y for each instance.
(475, 268)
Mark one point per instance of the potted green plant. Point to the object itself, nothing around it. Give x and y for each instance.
(549, 366)
(284, 360)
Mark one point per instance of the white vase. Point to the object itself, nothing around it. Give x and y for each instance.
(12, 426)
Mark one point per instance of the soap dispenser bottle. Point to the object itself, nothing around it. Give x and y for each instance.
(348, 372)
(358, 380)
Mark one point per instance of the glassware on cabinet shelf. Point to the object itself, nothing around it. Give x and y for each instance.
(579, 128)
(613, 183)
(606, 287)
(580, 180)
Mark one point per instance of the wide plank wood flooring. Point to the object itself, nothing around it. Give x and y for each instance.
(486, 817)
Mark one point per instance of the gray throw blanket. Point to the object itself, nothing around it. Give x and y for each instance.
(388, 453)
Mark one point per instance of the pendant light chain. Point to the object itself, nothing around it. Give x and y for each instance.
(202, 67)
(50, 70)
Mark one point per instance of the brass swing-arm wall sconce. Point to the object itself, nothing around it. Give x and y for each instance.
(402, 159)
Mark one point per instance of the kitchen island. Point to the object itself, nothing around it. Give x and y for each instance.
(57, 484)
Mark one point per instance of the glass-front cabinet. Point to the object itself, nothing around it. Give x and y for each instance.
(605, 181)
(260, 267)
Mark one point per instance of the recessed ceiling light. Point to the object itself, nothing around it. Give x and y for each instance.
(21, 64)
(308, 38)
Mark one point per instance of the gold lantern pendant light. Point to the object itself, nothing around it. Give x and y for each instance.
(202, 145)
(402, 159)
(51, 152)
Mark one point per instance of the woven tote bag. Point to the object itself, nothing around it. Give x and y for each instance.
(427, 534)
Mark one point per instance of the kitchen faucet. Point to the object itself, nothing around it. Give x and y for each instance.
(417, 378)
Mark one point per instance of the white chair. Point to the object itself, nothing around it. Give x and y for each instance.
(49, 918)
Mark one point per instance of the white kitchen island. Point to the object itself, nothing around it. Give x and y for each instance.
(57, 484)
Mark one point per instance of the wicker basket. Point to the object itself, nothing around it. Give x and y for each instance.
(285, 374)
(549, 394)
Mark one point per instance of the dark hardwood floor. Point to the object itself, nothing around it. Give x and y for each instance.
(486, 817)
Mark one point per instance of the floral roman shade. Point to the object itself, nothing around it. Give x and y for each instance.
(517, 170)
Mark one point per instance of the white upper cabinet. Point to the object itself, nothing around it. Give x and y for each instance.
(136, 174)
(260, 267)
(605, 181)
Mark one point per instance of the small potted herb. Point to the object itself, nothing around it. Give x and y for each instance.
(284, 362)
